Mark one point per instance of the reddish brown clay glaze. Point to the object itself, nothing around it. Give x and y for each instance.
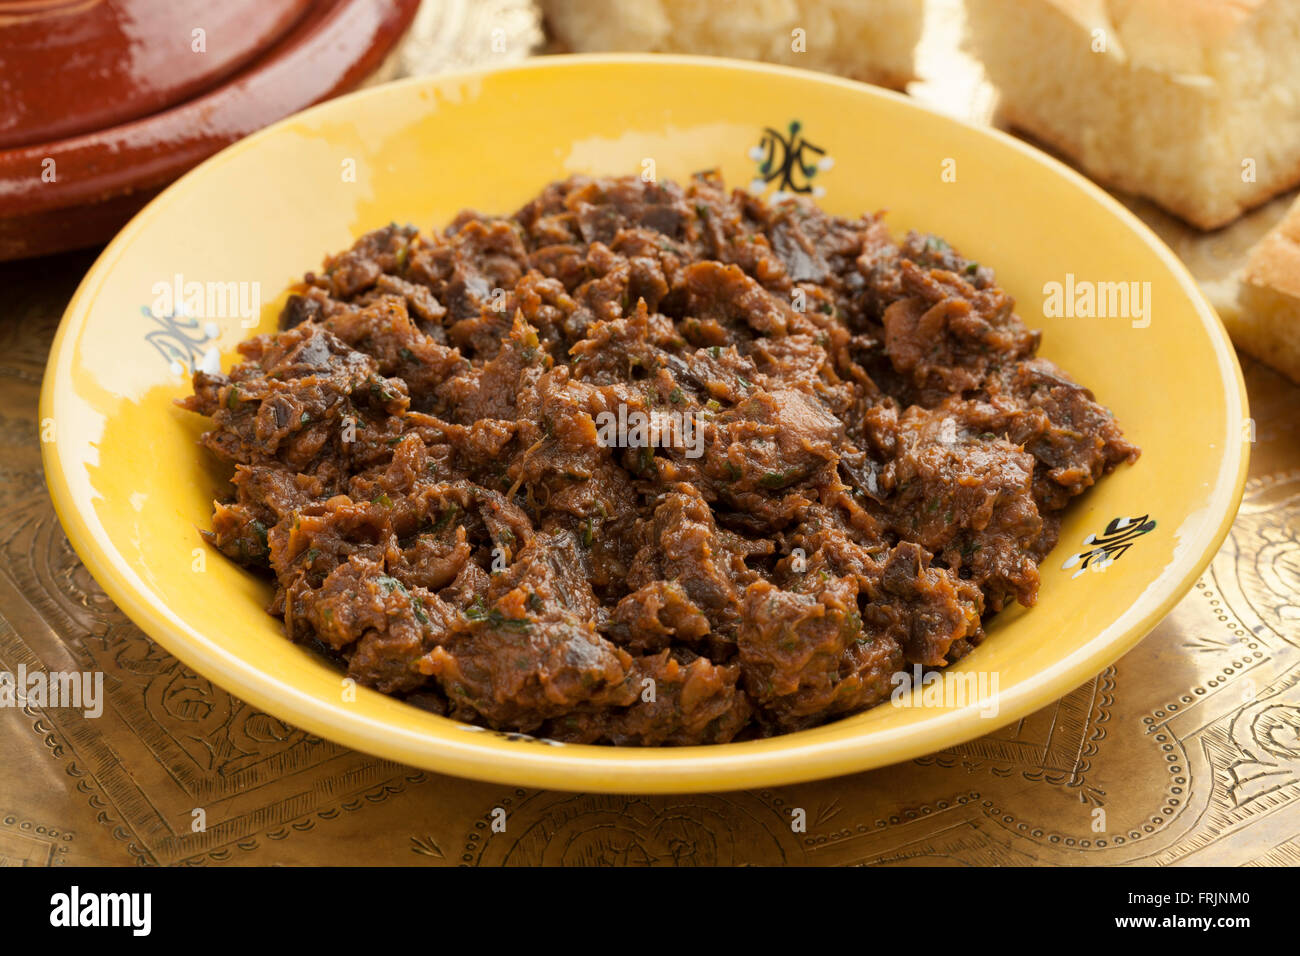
(102, 177)
(78, 67)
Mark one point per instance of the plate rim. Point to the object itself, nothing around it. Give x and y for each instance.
(595, 768)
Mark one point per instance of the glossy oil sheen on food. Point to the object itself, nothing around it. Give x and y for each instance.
(855, 458)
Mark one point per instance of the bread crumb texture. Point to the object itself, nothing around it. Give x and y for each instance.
(1194, 104)
(1267, 322)
(872, 40)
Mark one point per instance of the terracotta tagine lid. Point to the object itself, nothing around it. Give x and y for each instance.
(104, 102)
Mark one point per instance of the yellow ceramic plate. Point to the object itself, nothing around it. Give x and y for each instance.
(132, 488)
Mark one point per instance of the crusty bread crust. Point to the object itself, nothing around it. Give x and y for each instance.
(1179, 98)
(870, 40)
(1199, 214)
(1170, 36)
(1275, 260)
(1267, 322)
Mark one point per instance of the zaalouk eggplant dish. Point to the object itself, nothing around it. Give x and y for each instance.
(646, 463)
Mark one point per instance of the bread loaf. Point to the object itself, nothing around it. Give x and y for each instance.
(872, 40)
(1266, 320)
(1192, 103)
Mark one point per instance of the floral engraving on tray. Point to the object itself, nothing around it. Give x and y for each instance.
(1101, 551)
(1268, 736)
(548, 828)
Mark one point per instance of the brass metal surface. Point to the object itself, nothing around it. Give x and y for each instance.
(1187, 750)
